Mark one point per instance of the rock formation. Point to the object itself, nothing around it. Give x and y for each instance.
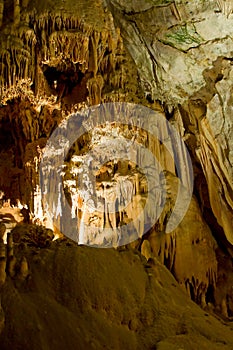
(59, 58)
(186, 64)
(102, 298)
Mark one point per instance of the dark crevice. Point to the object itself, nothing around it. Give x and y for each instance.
(68, 82)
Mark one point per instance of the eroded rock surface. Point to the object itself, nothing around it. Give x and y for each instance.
(172, 56)
(102, 298)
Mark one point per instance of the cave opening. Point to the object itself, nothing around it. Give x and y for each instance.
(210, 294)
(68, 83)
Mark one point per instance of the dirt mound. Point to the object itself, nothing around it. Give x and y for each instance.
(77, 297)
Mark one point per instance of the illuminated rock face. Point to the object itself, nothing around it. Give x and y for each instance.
(52, 64)
(114, 198)
(184, 61)
(57, 59)
(216, 151)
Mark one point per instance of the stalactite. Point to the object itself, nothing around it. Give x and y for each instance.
(16, 12)
(226, 6)
(61, 37)
(1, 11)
(93, 63)
(65, 43)
(95, 86)
(12, 55)
(25, 3)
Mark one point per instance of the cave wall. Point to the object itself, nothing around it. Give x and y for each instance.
(185, 61)
(51, 65)
(186, 51)
(59, 57)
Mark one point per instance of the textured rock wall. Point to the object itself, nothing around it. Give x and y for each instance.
(58, 57)
(52, 62)
(185, 59)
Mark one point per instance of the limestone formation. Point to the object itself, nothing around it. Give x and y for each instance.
(10, 258)
(172, 56)
(23, 269)
(2, 231)
(2, 263)
(186, 64)
(10, 246)
(146, 249)
(11, 266)
(2, 318)
(1, 11)
(32, 235)
(108, 290)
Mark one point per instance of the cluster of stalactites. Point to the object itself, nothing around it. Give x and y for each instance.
(15, 65)
(196, 280)
(17, 48)
(50, 23)
(197, 289)
(225, 6)
(75, 39)
(17, 52)
(66, 40)
(60, 41)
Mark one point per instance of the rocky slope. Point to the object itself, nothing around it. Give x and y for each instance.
(64, 295)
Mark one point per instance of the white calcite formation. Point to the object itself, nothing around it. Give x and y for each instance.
(115, 197)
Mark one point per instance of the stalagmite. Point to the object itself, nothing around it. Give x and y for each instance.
(2, 231)
(203, 299)
(11, 266)
(2, 271)
(2, 263)
(11, 259)
(10, 246)
(146, 249)
(24, 270)
(2, 250)
(2, 317)
(224, 307)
